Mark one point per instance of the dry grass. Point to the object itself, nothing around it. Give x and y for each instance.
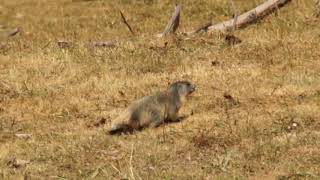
(61, 95)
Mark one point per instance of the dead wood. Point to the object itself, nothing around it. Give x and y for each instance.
(14, 31)
(235, 14)
(65, 44)
(23, 136)
(8, 32)
(92, 44)
(126, 23)
(173, 22)
(203, 28)
(102, 44)
(317, 9)
(251, 16)
(239, 21)
(16, 163)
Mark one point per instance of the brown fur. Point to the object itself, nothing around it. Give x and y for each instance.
(152, 111)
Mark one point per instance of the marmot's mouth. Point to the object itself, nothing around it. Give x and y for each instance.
(192, 90)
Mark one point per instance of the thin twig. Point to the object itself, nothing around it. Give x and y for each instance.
(317, 10)
(46, 45)
(14, 32)
(119, 172)
(126, 22)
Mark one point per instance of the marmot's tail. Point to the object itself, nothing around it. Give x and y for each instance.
(117, 129)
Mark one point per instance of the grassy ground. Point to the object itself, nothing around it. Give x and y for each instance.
(269, 128)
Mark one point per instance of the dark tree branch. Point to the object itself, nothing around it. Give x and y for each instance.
(14, 32)
(126, 23)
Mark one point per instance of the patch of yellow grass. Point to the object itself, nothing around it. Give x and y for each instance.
(60, 95)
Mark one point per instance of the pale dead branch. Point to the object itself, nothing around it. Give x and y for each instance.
(251, 16)
(102, 44)
(16, 163)
(23, 136)
(173, 22)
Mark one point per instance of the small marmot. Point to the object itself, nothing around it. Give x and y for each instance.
(152, 111)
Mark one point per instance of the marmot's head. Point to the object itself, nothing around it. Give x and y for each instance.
(183, 88)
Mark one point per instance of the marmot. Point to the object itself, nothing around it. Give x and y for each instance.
(152, 111)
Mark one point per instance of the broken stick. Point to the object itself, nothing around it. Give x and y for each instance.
(126, 23)
(5, 33)
(173, 22)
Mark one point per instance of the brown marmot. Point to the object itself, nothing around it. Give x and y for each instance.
(152, 111)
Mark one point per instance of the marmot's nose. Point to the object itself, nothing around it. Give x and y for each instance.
(193, 88)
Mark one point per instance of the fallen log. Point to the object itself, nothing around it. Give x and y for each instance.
(248, 17)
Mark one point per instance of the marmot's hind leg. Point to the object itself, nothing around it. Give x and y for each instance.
(156, 121)
(119, 129)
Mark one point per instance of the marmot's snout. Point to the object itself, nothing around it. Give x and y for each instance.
(185, 88)
(192, 88)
